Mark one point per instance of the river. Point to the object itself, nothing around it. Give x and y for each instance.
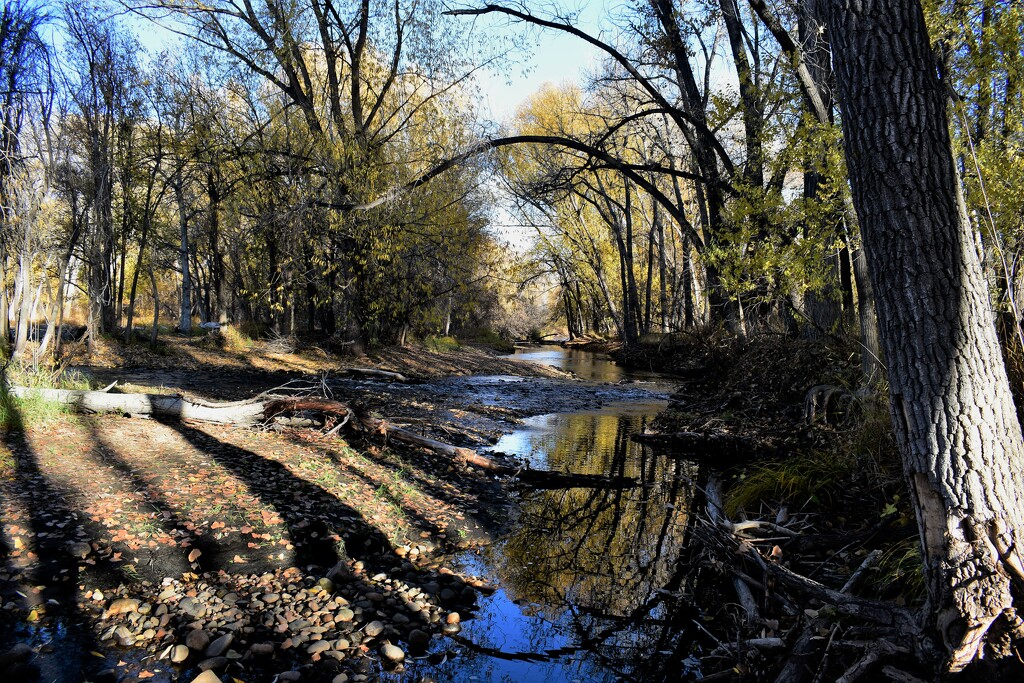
(588, 578)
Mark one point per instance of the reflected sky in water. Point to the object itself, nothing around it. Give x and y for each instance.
(583, 572)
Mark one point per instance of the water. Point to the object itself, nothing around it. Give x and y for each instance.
(588, 576)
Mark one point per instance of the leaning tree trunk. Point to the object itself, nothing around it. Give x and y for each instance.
(949, 396)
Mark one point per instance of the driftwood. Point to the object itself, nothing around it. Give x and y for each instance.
(897, 622)
(265, 408)
(380, 374)
(157, 405)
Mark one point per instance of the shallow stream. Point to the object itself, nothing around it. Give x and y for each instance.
(584, 573)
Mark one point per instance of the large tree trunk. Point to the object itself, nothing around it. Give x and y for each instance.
(950, 400)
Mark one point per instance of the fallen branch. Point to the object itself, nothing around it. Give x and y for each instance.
(374, 372)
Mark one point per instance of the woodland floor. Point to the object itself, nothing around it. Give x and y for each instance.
(127, 543)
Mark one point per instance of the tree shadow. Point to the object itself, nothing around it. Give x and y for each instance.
(312, 516)
(47, 591)
(162, 562)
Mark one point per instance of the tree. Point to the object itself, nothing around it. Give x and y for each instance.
(950, 399)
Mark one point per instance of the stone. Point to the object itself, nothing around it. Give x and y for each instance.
(213, 663)
(342, 644)
(219, 647)
(340, 678)
(270, 598)
(374, 629)
(262, 649)
(344, 614)
(453, 618)
(289, 676)
(198, 640)
(179, 653)
(207, 677)
(79, 549)
(318, 647)
(192, 608)
(392, 653)
(123, 606)
(418, 638)
(326, 584)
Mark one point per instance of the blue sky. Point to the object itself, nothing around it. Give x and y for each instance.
(548, 56)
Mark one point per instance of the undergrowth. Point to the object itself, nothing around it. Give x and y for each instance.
(18, 413)
(441, 344)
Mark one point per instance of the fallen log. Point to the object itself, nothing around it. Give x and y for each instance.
(246, 413)
(374, 372)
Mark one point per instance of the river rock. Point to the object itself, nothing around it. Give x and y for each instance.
(270, 598)
(374, 629)
(79, 549)
(123, 606)
(289, 676)
(179, 653)
(419, 639)
(192, 608)
(207, 677)
(392, 652)
(453, 618)
(318, 647)
(213, 663)
(198, 640)
(344, 614)
(262, 649)
(219, 646)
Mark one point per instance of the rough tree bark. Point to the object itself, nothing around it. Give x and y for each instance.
(949, 396)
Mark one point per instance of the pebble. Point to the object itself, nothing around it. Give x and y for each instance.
(262, 649)
(289, 676)
(344, 614)
(374, 629)
(123, 606)
(318, 647)
(392, 652)
(191, 607)
(179, 654)
(270, 598)
(207, 677)
(219, 646)
(453, 618)
(340, 678)
(212, 663)
(198, 640)
(418, 638)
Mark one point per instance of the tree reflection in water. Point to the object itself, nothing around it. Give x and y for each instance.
(591, 577)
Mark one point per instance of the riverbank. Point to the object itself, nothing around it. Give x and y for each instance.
(143, 549)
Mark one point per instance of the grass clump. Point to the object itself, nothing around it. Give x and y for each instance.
(18, 413)
(441, 344)
(235, 340)
(813, 477)
(487, 337)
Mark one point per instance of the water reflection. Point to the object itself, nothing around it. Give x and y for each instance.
(584, 364)
(585, 571)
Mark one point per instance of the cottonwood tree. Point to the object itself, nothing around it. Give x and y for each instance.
(950, 400)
